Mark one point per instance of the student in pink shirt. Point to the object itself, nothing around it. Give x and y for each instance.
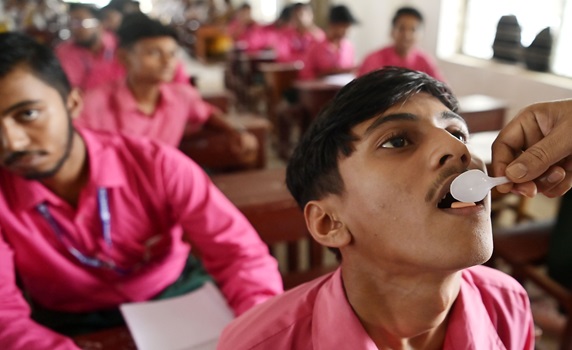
(335, 54)
(299, 36)
(147, 103)
(406, 30)
(89, 56)
(372, 175)
(245, 32)
(274, 29)
(92, 220)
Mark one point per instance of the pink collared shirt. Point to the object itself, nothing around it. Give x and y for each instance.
(158, 200)
(87, 70)
(387, 56)
(324, 56)
(292, 45)
(253, 38)
(113, 108)
(492, 311)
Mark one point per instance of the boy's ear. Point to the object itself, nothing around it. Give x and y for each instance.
(325, 226)
(74, 102)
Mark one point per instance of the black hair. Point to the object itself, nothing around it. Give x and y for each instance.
(406, 11)
(341, 14)
(20, 49)
(95, 12)
(297, 6)
(137, 26)
(312, 171)
(123, 5)
(286, 13)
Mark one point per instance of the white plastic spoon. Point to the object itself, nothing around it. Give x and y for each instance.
(474, 185)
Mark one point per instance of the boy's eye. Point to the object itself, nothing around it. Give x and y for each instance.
(396, 142)
(29, 115)
(460, 135)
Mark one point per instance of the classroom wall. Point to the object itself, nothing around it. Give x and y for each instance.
(517, 86)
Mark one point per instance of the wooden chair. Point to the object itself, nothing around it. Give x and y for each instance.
(525, 249)
(262, 196)
(278, 77)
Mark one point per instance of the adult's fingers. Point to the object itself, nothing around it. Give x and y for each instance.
(535, 139)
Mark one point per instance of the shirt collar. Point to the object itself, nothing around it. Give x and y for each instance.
(337, 323)
(470, 326)
(104, 171)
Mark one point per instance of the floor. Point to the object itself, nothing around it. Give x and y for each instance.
(209, 79)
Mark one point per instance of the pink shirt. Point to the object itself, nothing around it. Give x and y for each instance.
(323, 57)
(253, 38)
(113, 108)
(492, 311)
(292, 45)
(158, 199)
(416, 60)
(86, 70)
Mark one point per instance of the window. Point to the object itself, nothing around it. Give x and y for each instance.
(482, 17)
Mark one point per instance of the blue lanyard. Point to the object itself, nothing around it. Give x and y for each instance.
(104, 216)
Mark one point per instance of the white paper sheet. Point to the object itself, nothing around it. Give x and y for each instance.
(190, 322)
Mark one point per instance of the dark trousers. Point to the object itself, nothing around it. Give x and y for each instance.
(76, 323)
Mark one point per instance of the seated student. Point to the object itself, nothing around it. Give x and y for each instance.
(147, 103)
(335, 54)
(88, 57)
(299, 35)
(407, 25)
(111, 18)
(245, 32)
(92, 220)
(372, 175)
(273, 30)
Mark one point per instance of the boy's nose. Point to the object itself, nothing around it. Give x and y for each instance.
(448, 150)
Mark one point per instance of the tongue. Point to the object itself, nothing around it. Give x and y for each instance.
(456, 205)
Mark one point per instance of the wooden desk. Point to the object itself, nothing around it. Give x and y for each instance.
(111, 339)
(210, 148)
(278, 77)
(482, 113)
(315, 94)
(263, 198)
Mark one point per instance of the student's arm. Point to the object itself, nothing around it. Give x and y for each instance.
(229, 247)
(17, 330)
(534, 150)
(243, 145)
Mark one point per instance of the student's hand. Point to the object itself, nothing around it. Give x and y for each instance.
(534, 150)
(244, 146)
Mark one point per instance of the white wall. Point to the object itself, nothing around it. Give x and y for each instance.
(515, 85)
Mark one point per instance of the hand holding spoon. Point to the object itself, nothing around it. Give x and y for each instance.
(474, 185)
